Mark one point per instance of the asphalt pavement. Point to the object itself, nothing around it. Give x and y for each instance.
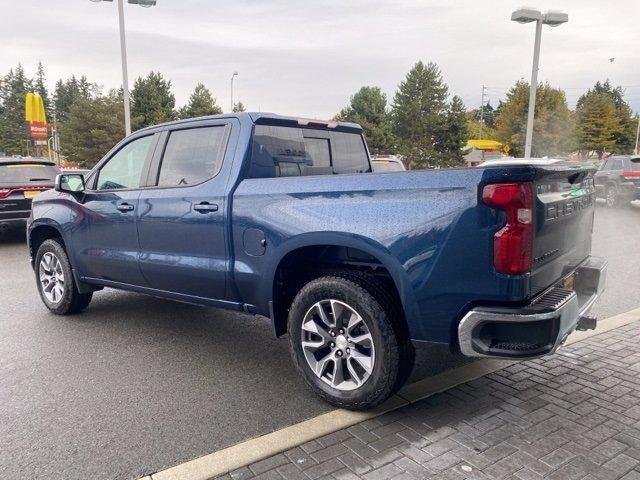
(137, 384)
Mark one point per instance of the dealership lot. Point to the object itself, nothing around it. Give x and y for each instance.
(137, 384)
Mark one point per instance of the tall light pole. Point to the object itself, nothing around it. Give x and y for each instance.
(552, 18)
(123, 57)
(235, 74)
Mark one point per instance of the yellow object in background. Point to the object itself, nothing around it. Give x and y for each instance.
(35, 115)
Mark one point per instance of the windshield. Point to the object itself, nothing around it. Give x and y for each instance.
(18, 174)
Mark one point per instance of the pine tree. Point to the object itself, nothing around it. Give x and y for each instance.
(598, 124)
(419, 116)
(368, 108)
(624, 137)
(68, 91)
(239, 107)
(553, 131)
(40, 87)
(201, 103)
(13, 132)
(93, 126)
(455, 135)
(152, 101)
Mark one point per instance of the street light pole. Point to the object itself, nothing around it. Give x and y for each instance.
(235, 74)
(125, 76)
(532, 90)
(552, 18)
(123, 56)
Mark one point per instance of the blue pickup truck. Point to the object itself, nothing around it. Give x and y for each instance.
(283, 217)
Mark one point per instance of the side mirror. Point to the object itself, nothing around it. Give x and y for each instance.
(69, 183)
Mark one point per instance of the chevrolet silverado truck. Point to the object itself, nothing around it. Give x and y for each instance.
(283, 217)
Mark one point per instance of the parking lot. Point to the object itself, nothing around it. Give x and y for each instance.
(137, 384)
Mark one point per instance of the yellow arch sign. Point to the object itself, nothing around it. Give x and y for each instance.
(35, 115)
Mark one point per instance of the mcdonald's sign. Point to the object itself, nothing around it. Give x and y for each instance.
(35, 116)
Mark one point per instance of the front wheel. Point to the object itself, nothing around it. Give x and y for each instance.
(347, 340)
(55, 280)
(611, 196)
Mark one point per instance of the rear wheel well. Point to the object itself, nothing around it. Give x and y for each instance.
(302, 265)
(39, 235)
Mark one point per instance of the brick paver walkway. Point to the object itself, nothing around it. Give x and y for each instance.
(574, 415)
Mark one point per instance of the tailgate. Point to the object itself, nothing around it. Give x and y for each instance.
(565, 204)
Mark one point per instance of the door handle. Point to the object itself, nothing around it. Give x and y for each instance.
(125, 207)
(205, 207)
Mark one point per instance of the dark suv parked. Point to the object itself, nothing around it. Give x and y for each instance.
(21, 179)
(618, 180)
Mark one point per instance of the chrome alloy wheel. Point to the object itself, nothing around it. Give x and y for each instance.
(51, 277)
(337, 345)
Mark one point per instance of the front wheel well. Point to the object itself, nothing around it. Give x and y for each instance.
(39, 235)
(305, 264)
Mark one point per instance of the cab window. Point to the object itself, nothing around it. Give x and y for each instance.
(124, 169)
(279, 151)
(192, 156)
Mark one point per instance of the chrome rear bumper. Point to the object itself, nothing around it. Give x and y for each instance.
(540, 327)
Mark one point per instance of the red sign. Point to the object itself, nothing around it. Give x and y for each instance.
(38, 130)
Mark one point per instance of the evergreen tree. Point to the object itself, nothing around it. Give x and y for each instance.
(152, 101)
(487, 113)
(201, 103)
(239, 107)
(419, 116)
(68, 91)
(625, 136)
(598, 124)
(368, 107)
(553, 131)
(479, 130)
(93, 126)
(455, 134)
(13, 132)
(40, 87)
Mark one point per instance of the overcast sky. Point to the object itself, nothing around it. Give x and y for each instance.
(307, 57)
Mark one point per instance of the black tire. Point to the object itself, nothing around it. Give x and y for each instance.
(383, 317)
(71, 300)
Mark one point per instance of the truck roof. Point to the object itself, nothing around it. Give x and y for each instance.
(265, 118)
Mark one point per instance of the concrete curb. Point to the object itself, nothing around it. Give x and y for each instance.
(256, 449)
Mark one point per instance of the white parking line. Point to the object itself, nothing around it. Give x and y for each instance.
(250, 451)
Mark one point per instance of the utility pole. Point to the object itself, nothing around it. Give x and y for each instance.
(637, 133)
(482, 111)
(125, 75)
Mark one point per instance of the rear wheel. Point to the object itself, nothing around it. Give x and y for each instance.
(347, 340)
(55, 280)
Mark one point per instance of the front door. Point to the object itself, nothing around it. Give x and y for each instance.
(181, 214)
(105, 237)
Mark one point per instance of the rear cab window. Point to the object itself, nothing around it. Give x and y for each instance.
(281, 151)
(634, 164)
(192, 156)
(24, 174)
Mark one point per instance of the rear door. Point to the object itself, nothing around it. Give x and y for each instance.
(182, 215)
(563, 224)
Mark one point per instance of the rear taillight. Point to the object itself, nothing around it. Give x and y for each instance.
(512, 244)
(631, 175)
(4, 192)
